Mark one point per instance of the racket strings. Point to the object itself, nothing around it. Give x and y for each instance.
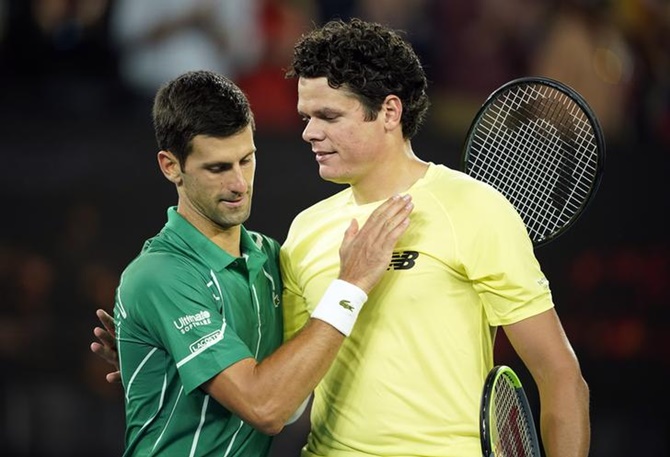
(512, 436)
(528, 182)
(541, 131)
(522, 183)
(537, 147)
(545, 129)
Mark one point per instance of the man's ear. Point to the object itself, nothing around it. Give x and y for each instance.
(170, 166)
(392, 111)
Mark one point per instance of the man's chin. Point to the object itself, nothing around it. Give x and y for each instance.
(331, 177)
(232, 219)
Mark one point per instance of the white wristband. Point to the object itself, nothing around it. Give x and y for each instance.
(340, 305)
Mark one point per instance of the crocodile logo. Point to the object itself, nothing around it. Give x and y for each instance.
(346, 304)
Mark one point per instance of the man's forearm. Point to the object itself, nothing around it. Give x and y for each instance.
(564, 419)
(266, 394)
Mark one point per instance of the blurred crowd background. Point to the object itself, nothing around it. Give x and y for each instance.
(81, 190)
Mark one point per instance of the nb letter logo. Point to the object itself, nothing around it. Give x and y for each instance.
(403, 260)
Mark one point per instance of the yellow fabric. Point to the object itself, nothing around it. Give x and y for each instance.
(407, 382)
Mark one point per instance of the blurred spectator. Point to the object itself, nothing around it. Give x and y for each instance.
(412, 17)
(158, 40)
(583, 48)
(646, 24)
(273, 98)
(479, 45)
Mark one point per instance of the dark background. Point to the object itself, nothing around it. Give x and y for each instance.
(81, 190)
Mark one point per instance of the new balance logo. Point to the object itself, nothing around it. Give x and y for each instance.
(403, 260)
(346, 304)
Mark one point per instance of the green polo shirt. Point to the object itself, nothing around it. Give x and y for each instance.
(185, 310)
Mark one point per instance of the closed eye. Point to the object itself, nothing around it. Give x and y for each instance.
(219, 168)
(328, 115)
(222, 167)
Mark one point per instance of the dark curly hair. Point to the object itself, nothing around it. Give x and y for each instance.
(198, 103)
(370, 60)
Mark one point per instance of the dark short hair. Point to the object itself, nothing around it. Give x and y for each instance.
(198, 103)
(370, 60)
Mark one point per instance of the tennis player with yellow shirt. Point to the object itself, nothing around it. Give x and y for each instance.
(407, 382)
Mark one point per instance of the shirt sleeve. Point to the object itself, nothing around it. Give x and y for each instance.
(182, 314)
(500, 261)
(296, 313)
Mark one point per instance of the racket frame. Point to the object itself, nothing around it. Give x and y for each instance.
(588, 112)
(503, 373)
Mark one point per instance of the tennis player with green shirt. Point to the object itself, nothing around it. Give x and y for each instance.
(197, 314)
(408, 380)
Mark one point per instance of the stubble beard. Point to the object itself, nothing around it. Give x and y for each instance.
(233, 217)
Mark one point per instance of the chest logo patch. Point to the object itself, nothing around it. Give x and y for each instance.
(403, 260)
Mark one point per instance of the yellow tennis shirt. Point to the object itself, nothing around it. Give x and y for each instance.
(408, 380)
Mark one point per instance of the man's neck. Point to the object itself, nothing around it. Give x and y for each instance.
(389, 179)
(228, 239)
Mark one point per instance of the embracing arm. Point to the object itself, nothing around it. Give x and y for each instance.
(265, 394)
(542, 345)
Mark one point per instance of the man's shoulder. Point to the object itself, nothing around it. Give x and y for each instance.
(156, 256)
(459, 186)
(443, 175)
(157, 265)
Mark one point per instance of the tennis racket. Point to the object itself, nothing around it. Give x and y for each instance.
(506, 422)
(538, 142)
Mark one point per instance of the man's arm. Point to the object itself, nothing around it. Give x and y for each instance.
(544, 348)
(265, 394)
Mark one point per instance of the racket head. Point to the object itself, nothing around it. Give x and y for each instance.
(506, 422)
(538, 142)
